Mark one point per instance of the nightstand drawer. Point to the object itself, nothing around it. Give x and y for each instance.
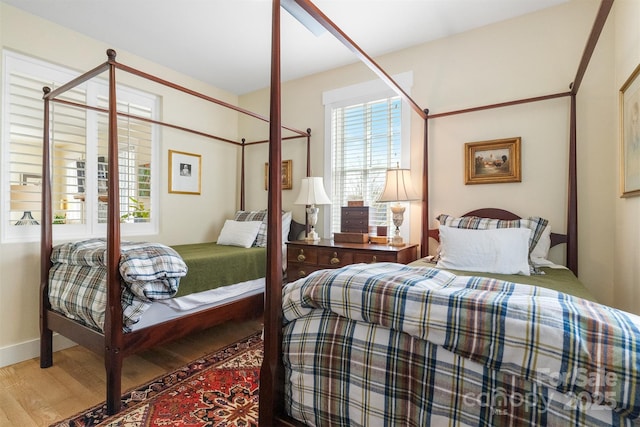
(303, 258)
(334, 258)
(369, 257)
(297, 271)
(307, 254)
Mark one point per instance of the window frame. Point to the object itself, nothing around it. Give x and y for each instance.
(362, 93)
(13, 63)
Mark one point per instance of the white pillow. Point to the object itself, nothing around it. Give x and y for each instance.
(500, 250)
(239, 233)
(286, 225)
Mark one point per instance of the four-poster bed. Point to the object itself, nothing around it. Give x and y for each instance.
(364, 358)
(101, 263)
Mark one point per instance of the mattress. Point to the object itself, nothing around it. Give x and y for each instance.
(169, 309)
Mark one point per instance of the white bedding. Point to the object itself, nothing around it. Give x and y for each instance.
(169, 309)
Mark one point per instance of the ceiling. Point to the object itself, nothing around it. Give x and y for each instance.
(227, 43)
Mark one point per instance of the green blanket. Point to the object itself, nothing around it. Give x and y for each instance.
(212, 266)
(557, 279)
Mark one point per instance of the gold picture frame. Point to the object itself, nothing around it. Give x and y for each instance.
(287, 179)
(492, 162)
(630, 136)
(185, 170)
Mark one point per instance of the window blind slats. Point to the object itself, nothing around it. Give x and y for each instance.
(366, 141)
(78, 147)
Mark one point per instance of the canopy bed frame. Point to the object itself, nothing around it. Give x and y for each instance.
(272, 372)
(115, 344)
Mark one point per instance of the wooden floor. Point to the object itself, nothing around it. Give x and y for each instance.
(30, 396)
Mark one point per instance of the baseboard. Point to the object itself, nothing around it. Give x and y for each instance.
(30, 349)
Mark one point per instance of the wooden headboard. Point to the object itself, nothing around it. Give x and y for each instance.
(495, 213)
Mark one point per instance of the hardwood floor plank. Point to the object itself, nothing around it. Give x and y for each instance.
(35, 397)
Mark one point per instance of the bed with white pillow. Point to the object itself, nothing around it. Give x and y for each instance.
(241, 251)
(191, 277)
(462, 338)
(499, 244)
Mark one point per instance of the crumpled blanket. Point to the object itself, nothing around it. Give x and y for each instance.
(77, 279)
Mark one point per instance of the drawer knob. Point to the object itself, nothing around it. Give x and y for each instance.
(301, 256)
(302, 273)
(374, 259)
(334, 259)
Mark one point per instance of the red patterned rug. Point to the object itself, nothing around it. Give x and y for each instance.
(220, 389)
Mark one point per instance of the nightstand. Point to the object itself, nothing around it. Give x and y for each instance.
(305, 257)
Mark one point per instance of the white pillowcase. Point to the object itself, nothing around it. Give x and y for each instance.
(286, 225)
(239, 233)
(500, 250)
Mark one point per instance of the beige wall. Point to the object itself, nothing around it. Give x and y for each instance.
(626, 221)
(184, 219)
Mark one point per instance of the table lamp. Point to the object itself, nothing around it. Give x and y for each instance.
(25, 198)
(398, 188)
(311, 194)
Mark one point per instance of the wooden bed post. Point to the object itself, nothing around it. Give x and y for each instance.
(272, 372)
(308, 151)
(242, 177)
(572, 207)
(113, 354)
(424, 238)
(46, 242)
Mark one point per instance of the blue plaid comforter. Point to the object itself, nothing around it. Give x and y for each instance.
(389, 344)
(77, 279)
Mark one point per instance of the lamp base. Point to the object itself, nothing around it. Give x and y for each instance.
(397, 241)
(312, 236)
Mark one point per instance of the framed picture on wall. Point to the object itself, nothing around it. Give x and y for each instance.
(184, 172)
(287, 180)
(492, 162)
(630, 135)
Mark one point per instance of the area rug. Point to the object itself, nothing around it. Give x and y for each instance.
(220, 389)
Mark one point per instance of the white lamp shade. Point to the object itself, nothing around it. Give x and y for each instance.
(25, 198)
(312, 192)
(398, 187)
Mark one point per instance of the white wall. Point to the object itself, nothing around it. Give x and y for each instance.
(184, 218)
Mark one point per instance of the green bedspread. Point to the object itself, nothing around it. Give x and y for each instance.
(211, 266)
(557, 279)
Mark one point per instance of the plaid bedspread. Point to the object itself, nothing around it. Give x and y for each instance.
(77, 279)
(388, 344)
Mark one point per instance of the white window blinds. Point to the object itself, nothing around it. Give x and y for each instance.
(366, 141)
(79, 152)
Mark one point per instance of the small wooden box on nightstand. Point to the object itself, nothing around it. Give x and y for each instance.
(354, 219)
(306, 257)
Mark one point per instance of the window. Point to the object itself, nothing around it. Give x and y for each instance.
(79, 154)
(366, 138)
